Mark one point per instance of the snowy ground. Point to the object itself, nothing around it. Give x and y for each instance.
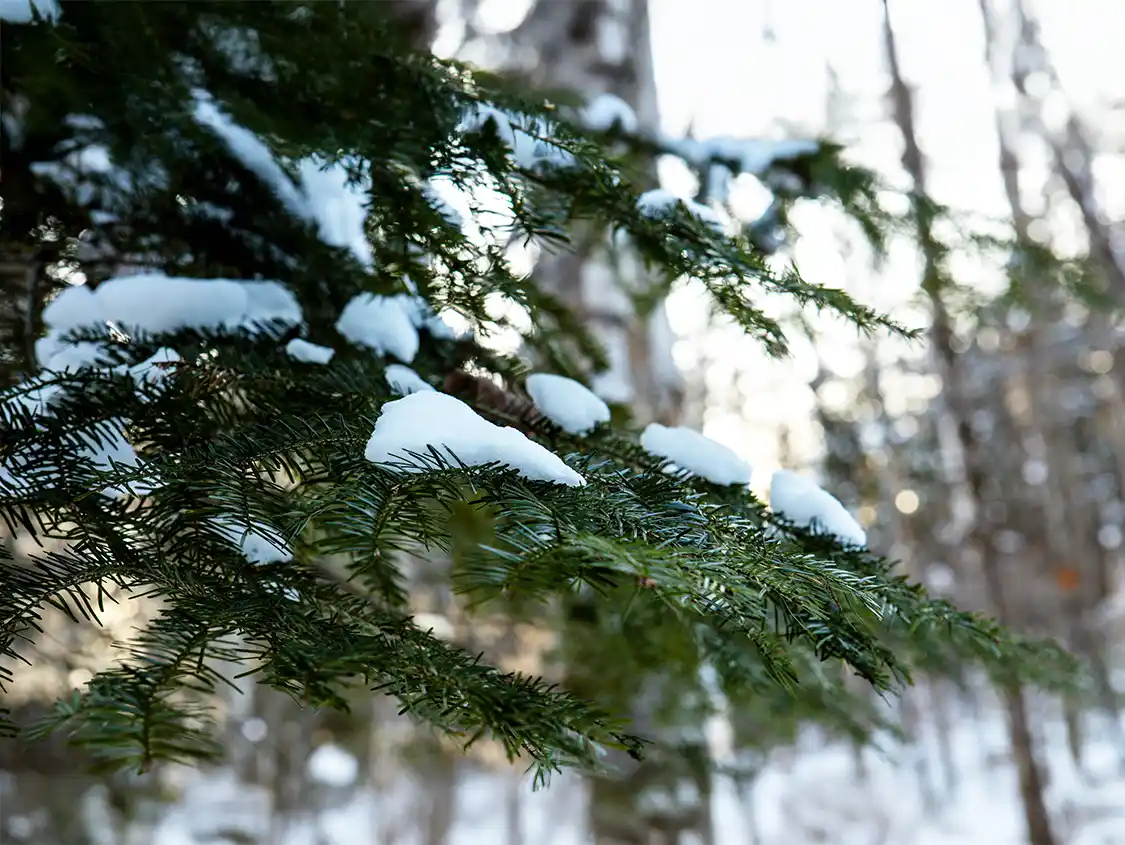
(809, 794)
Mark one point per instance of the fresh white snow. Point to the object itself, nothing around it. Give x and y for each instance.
(72, 171)
(76, 356)
(156, 304)
(115, 450)
(380, 323)
(71, 308)
(810, 792)
(528, 151)
(259, 543)
(571, 406)
(153, 303)
(268, 302)
(152, 370)
(338, 207)
(804, 503)
(323, 196)
(389, 325)
(405, 381)
(442, 206)
(605, 111)
(428, 418)
(98, 454)
(750, 155)
(309, 353)
(252, 151)
(698, 454)
(658, 204)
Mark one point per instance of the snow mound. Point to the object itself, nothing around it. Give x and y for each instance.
(157, 304)
(698, 454)
(73, 307)
(571, 406)
(428, 418)
(380, 323)
(804, 503)
(606, 111)
(659, 204)
(389, 325)
(76, 356)
(404, 381)
(268, 302)
(309, 353)
(153, 303)
(258, 542)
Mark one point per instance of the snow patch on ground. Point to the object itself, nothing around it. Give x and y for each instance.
(428, 418)
(813, 792)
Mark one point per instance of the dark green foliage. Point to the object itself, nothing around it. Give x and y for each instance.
(695, 575)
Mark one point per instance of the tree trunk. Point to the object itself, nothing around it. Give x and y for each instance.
(911, 725)
(943, 726)
(1072, 541)
(973, 454)
(595, 47)
(744, 789)
(513, 809)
